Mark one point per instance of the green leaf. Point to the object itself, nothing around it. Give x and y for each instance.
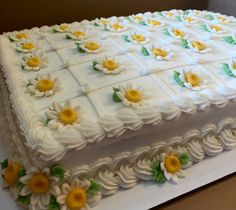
(184, 158)
(204, 28)
(144, 51)
(68, 36)
(94, 65)
(4, 164)
(227, 70)
(19, 185)
(161, 14)
(79, 48)
(125, 37)
(53, 204)
(177, 79)
(179, 18)
(95, 24)
(11, 40)
(143, 23)
(22, 172)
(47, 121)
(114, 96)
(55, 31)
(106, 29)
(184, 43)
(93, 188)
(166, 32)
(58, 172)
(230, 40)
(24, 200)
(157, 173)
(209, 17)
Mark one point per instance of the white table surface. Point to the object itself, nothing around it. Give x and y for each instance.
(148, 194)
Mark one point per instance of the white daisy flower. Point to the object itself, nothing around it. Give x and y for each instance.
(137, 18)
(116, 26)
(155, 23)
(78, 34)
(214, 28)
(75, 195)
(109, 65)
(191, 79)
(159, 52)
(62, 28)
(177, 33)
(138, 38)
(91, 46)
(40, 185)
(26, 46)
(232, 66)
(188, 19)
(170, 14)
(34, 61)
(63, 115)
(222, 19)
(43, 85)
(171, 166)
(199, 46)
(102, 21)
(131, 96)
(19, 36)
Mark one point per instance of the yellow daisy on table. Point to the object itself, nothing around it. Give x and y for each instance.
(43, 86)
(178, 33)
(159, 52)
(19, 36)
(63, 115)
(116, 26)
(90, 46)
(171, 166)
(79, 195)
(198, 46)
(62, 28)
(34, 61)
(39, 184)
(138, 38)
(26, 46)
(129, 95)
(153, 22)
(78, 34)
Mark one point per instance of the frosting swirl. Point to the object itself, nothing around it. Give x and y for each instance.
(126, 176)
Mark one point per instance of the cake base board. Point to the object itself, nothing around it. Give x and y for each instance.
(146, 195)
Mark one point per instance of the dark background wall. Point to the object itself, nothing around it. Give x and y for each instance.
(224, 6)
(20, 14)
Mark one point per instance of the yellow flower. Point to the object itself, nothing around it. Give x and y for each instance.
(45, 85)
(234, 64)
(64, 27)
(199, 45)
(91, 45)
(216, 28)
(28, 45)
(68, 116)
(10, 174)
(21, 35)
(110, 64)
(76, 198)
(138, 37)
(34, 61)
(117, 26)
(39, 183)
(154, 22)
(138, 18)
(188, 19)
(159, 52)
(169, 14)
(178, 33)
(133, 95)
(172, 164)
(79, 34)
(192, 78)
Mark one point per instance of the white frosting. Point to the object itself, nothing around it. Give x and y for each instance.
(126, 177)
(143, 169)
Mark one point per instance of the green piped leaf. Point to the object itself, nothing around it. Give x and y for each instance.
(95, 24)
(55, 31)
(53, 204)
(209, 17)
(106, 29)
(177, 79)
(24, 200)
(184, 158)
(22, 172)
(79, 48)
(94, 65)
(114, 96)
(67, 36)
(144, 51)
(157, 173)
(58, 172)
(179, 18)
(4, 164)
(230, 40)
(204, 28)
(184, 43)
(227, 70)
(19, 185)
(166, 32)
(93, 188)
(125, 37)
(143, 23)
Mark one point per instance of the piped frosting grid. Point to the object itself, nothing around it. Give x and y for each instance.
(67, 62)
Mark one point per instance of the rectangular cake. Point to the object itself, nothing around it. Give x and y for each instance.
(93, 107)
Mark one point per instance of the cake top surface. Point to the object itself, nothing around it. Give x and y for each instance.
(76, 84)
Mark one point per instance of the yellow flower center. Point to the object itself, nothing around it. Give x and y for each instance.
(21, 36)
(79, 34)
(198, 45)
(39, 183)
(45, 85)
(138, 37)
(92, 45)
(68, 116)
(28, 45)
(104, 21)
(170, 14)
(217, 28)
(138, 18)
(234, 65)
(222, 19)
(178, 32)
(64, 27)
(10, 174)
(34, 62)
(117, 26)
(155, 22)
(76, 199)
(133, 95)
(110, 64)
(159, 52)
(192, 78)
(188, 19)
(172, 164)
